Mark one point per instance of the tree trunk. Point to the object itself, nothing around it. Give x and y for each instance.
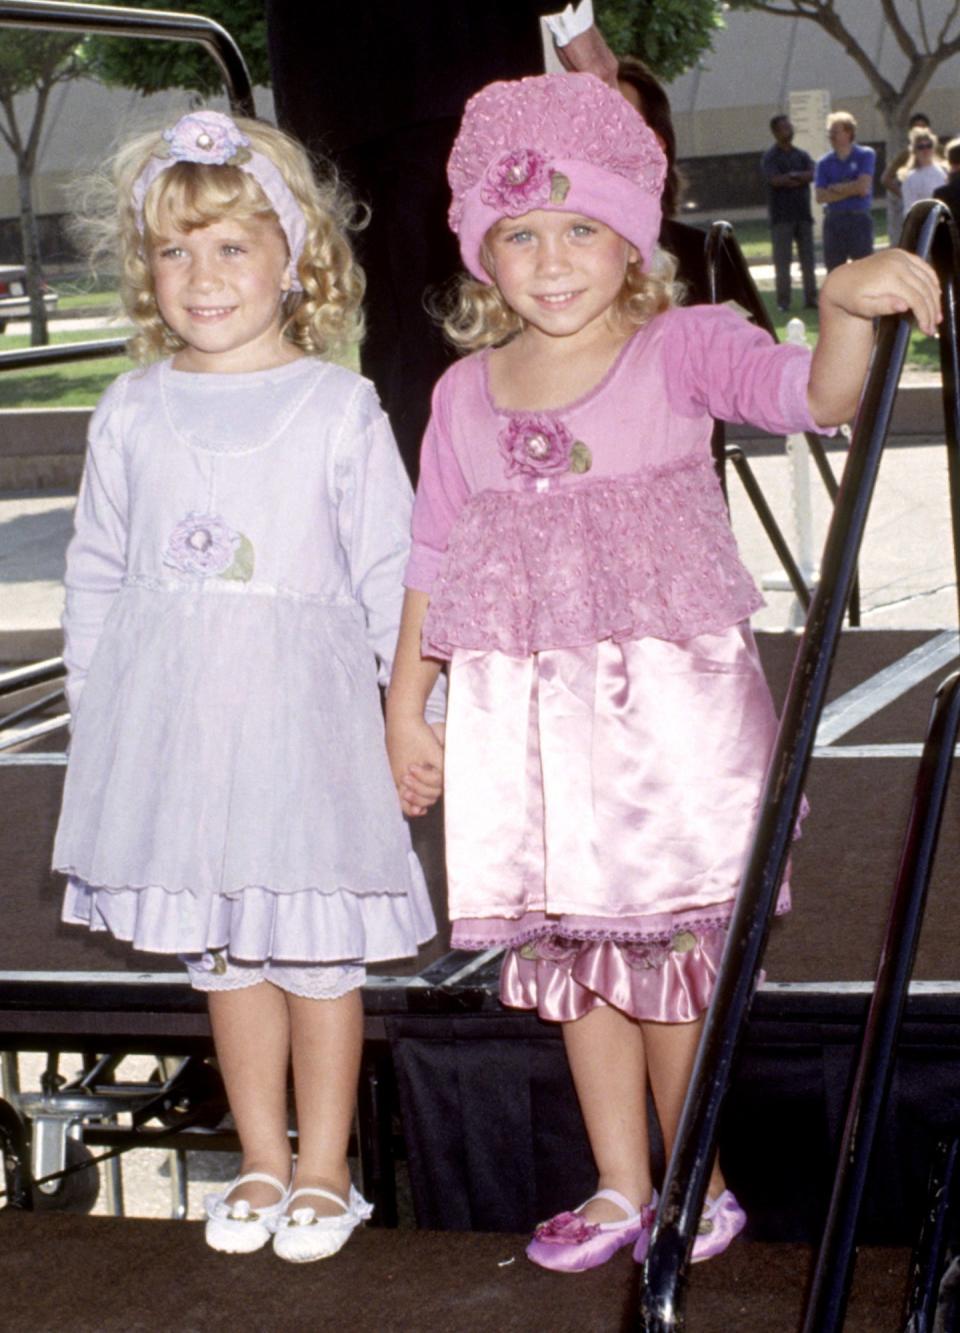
(30, 239)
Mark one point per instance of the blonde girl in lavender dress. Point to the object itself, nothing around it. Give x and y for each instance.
(608, 723)
(235, 577)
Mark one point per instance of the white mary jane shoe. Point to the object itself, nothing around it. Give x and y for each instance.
(238, 1228)
(302, 1236)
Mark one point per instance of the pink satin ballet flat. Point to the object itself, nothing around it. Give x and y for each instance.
(721, 1220)
(568, 1243)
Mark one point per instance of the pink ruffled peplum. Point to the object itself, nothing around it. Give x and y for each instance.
(620, 558)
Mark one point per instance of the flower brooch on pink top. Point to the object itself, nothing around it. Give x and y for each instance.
(534, 445)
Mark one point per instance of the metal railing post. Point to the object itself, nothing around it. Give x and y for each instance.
(829, 1290)
(663, 1288)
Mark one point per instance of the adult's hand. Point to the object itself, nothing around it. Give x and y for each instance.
(589, 54)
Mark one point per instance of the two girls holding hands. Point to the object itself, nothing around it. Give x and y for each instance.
(241, 534)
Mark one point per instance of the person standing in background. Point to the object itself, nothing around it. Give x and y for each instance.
(924, 171)
(844, 183)
(891, 179)
(788, 172)
(949, 193)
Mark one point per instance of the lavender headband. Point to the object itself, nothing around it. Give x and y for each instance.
(214, 140)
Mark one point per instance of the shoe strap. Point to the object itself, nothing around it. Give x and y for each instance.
(316, 1191)
(614, 1196)
(260, 1177)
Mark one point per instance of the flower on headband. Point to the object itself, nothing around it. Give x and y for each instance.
(517, 182)
(209, 137)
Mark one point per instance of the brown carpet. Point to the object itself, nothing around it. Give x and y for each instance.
(63, 1274)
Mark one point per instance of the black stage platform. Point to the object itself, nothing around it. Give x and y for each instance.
(106, 1275)
(485, 1109)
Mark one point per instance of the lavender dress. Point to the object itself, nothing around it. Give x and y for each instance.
(234, 577)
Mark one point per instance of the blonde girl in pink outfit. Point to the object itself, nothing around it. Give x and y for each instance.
(234, 580)
(608, 722)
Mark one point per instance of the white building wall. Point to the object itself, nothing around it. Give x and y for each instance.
(721, 107)
(724, 105)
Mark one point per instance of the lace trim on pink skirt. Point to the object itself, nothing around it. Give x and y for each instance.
(618, 558)
(564, 978)
(652, 929)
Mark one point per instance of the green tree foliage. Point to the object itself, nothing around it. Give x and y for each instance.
(153, 66)
(670, 35)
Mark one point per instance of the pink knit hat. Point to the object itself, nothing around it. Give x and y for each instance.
(565, 142)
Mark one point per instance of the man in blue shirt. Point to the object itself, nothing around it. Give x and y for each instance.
(788, 172)
(844, 183)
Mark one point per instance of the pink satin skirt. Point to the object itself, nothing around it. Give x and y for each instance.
(599, 803)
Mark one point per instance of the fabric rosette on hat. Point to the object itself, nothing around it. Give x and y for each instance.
(565, 142)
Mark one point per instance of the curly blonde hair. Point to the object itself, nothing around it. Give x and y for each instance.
(473, 314)
(323, 318)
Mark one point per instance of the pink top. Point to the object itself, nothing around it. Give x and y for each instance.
(602, 519)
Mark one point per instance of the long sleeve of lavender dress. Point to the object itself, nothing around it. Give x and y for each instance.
(96, 556)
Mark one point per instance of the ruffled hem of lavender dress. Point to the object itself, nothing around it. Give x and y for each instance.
(254, 924)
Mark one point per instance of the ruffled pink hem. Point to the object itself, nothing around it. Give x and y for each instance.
(564, 979)
(650, 554)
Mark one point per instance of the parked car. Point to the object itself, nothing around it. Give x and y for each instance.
(14, 302)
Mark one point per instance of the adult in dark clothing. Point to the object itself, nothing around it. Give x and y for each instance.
(643, 90)
(380, 87)
(788, 171)
(949, 193)
(686, 243)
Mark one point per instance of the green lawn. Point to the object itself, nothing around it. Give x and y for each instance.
(73, 384)
(924, 352)
(754, 236)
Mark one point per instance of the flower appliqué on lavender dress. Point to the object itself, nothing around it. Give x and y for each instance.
(203, 544)
(539, 446)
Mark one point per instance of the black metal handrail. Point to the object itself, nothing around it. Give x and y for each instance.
(26, 678)
(827, 1297)
(49, 354)
(37, 673)
(927, 1262)
(722, 251)
(928, 232)
(765, 514)
(152, 24)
